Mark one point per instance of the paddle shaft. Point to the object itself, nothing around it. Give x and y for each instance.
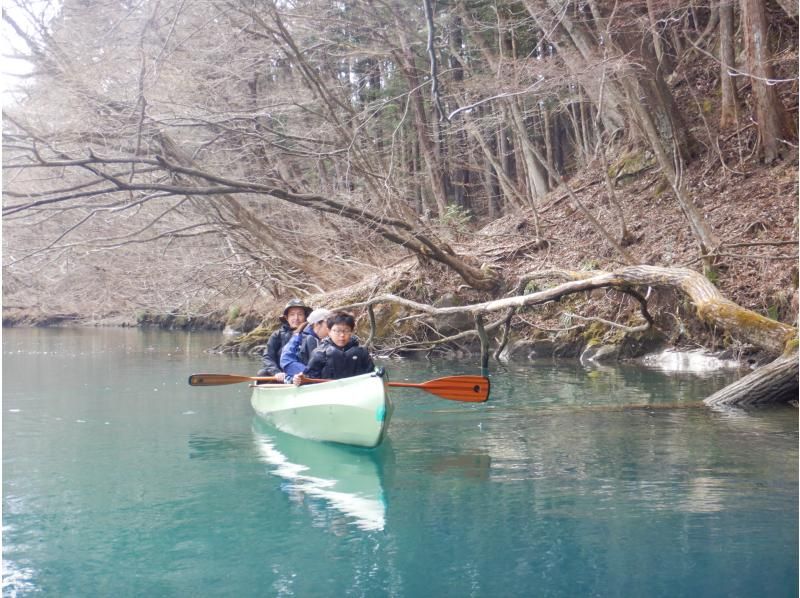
(406, 384)
(219, 379)
(469, 389)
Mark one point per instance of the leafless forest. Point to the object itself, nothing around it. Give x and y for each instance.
(166, 156)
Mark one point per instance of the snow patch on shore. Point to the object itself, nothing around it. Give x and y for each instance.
(699, 361)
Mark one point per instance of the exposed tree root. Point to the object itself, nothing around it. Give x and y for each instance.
(776, 382)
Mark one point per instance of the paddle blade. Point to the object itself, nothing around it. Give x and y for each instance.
(468, 389)
(219, 379)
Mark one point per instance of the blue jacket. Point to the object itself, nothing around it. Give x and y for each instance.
(331, 362)
(296, 352)
(272, 354)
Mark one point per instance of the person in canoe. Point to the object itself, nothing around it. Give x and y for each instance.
(294, 314)
(297, 352)
(339, 355)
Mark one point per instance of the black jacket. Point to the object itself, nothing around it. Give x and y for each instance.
(272, 354)
(331, 362)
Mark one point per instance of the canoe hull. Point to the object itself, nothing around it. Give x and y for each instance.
(354, 411)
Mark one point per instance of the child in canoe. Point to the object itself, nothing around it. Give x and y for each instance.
(294, 314)
(339, 355)
(298, 350)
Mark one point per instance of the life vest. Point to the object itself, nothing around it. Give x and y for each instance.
(332, 362)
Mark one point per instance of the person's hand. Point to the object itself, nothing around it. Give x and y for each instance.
(280, 376)
(298, 379)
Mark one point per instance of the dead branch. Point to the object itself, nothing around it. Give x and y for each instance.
(711, 307)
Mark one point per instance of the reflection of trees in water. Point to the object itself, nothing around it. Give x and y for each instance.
(622, 437)
(561, 384)
(567, 484)
(647, 459)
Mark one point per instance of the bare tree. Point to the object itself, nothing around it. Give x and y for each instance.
(301, 142)
(772, 120)
(727, 62)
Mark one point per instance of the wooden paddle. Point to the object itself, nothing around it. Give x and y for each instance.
(219, 379)
(469, 389)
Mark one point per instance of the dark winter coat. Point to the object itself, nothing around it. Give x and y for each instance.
(331, 362)
(272, 354)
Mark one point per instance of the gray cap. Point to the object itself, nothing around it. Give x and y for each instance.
(318, 315)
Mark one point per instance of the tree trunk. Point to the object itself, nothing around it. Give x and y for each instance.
(537, 178)
(510, 191)
(579, 53)
(375, 77)
(505, 152)
(789, 7)
(425, 133)
(649, 90)
(548, 146)
(776, 382)
(770, 115)
(701, 231)
(584, 129)
(727, 61)
(461, 178)
(665, 63)
(560, 145)
(537, 174)
(490, 189)
(462, 174)
(625, 238)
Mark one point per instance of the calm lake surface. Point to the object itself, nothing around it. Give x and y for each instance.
(121, 480)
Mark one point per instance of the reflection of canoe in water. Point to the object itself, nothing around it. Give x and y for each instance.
(347, 479)
(348, 411)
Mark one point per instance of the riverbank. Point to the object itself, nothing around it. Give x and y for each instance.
(248, 337)
(756, 275)
(25, 318)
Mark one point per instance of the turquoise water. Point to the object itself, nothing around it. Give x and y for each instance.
(121, 480)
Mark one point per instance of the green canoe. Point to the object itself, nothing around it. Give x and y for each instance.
(354, 411)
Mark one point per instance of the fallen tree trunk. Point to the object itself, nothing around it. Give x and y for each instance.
(774, 383)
